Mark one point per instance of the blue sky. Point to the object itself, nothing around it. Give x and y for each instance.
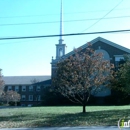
(33, 56)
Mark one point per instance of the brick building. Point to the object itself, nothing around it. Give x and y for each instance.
(29, 87)
(111, 52)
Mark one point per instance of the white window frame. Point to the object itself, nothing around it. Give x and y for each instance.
(38, 88)
(119, 57)
(31, 88)
(30, 97)
(23, 97)
(16, 88)
(23, 88)
(39, 97)
(9, 88)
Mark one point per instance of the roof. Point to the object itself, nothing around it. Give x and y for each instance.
(24, 80)
(102, 40)
(46, 82)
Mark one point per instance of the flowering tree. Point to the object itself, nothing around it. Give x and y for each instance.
(81, 74)
(1, 84)
(11, 96)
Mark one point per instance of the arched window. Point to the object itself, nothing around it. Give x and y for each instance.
(105, 54)
(60, 52)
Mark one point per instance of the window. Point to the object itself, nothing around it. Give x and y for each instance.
(23, 105)
(60, 52)
(9, 88)
(39, 97)
(30, 88)
(23, 88)
(16, 88)
(23, 98)
(38, 88)
(30, 105)
(30, 97)
(118, 59)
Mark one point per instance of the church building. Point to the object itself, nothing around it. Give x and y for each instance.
(111, 52)
(31, 91)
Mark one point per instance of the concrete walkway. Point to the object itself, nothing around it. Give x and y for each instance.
(70, 128)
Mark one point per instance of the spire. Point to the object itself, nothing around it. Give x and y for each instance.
(61, 25)
(60, 47)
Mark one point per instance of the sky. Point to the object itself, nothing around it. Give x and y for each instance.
(19, 18)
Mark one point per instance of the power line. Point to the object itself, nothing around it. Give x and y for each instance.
(30, 40)
(71, 34)
(69, 13)
(76, 20)
(103, 16)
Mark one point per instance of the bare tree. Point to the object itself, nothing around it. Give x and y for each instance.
(81, 74)
(33, 81)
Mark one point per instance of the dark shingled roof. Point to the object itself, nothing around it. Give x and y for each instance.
(46, 82)
(102, 40)
(24, 80)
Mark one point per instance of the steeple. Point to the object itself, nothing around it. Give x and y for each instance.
(60, 48)
(61, 24)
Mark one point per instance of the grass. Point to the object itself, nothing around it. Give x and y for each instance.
(62, 116)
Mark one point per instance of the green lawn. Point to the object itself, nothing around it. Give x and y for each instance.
(62, 116)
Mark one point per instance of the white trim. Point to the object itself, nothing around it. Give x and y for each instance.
(102, 40)
(16, 88)
(114, 44)
(30, 97)
(38, 97)
(38, 88)
(118, 56)
(23, 98)
(23, 88)
(30, 88)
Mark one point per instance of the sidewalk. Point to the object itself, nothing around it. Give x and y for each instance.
(69, 128)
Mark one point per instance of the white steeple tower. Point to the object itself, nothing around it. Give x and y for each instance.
(60, 48)
(61, 25)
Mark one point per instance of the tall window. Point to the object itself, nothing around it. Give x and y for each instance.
(118, 58)
(23, 98)
(39, 97)
(23, 88)
(16, 88)
(30, 88)
(30, 97)
(60, 52)
(38, 88)
(9, 88)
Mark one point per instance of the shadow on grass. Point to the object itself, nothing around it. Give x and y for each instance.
(16, 118)
(97, 118)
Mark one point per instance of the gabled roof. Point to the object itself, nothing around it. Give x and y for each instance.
(102, 40)
(24, 80)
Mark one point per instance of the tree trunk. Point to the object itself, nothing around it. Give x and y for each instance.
(84, 108)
